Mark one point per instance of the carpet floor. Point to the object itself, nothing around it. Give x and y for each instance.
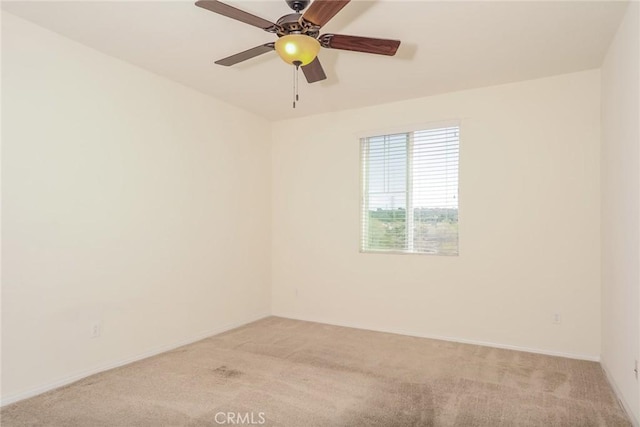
(281, 372)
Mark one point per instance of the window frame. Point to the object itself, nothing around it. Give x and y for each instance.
(361, 170)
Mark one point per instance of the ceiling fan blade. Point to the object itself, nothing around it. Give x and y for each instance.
(247, 54)
(233, 13)
(321, 11)
(313, 71)
(360, 44)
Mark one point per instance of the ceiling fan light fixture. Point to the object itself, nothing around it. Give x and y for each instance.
(297, 49)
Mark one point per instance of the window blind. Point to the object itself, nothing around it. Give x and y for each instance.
(410, 192)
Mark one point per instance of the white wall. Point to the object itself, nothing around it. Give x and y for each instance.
(620, 210)
(127, 199)
(529, 221)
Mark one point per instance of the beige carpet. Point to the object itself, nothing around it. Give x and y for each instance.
(292, 373)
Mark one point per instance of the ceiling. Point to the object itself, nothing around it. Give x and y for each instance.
(446, 46)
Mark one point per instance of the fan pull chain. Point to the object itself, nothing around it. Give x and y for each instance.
(295, 82)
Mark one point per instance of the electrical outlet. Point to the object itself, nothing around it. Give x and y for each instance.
(96, 330)
(557, 318)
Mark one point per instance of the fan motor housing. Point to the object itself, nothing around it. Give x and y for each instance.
(295, 24)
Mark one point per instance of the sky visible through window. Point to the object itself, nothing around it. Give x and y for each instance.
(435, 181)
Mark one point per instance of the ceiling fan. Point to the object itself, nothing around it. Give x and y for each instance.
(299, 38)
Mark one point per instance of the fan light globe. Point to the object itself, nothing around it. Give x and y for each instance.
(294, 48)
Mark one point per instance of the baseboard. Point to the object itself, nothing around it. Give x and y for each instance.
(153, 352)
(625, 405)
(590, 358)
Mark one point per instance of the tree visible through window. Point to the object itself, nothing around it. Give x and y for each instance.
(410, 192)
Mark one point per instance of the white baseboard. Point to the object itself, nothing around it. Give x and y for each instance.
(625, 405)
(6, 400)
(591, 358)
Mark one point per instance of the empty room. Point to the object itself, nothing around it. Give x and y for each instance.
(320, 213)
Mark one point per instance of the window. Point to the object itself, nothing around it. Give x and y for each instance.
(410, 192)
